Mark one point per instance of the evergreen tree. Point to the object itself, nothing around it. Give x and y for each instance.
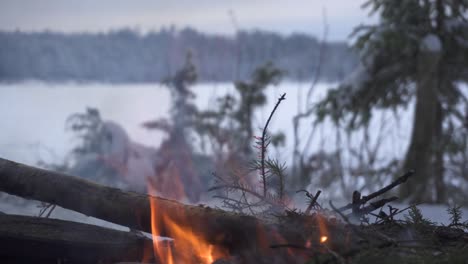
(252, 96)
(177, 176)
(230, 125)
(418, 51)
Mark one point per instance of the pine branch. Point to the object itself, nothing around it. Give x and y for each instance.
(264, 144)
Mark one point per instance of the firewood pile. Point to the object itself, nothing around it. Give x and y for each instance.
(202, 234)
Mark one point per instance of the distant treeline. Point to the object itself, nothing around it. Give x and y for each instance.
(128, 56)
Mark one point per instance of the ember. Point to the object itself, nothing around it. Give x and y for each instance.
(322, 224)
(323, 239)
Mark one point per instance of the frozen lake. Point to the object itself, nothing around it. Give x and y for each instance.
(33, 115)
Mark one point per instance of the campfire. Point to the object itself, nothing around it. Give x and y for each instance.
(188, 246)
(180, 233)
(188, 233)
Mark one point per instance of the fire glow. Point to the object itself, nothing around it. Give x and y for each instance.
(323, 229)
(187, 247)
(323, 239)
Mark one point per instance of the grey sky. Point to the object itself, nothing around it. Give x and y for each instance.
(285, 16)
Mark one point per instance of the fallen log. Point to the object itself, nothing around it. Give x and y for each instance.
(231, 231)
(26, 239)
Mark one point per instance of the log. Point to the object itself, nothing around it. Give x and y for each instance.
(26, 239)
(231, 231)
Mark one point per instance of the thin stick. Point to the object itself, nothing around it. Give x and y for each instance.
(51, 210)
(374, 206)
(345, 218)
(313, 202)
(387, 188)
(264, 144)
(392, 185)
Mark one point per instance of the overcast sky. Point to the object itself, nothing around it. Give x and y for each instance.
(285, 16)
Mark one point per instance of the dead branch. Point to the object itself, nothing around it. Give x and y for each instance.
(373, 206)
(232, 231)
(371, 196)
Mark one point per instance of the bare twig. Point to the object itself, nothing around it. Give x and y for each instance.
(392, 185)
(309, 110)
(264, 144)
(345, 218)
(313, 202)
(373, 206)
(246, 190)
(44, 209)
(355, 202)
(51, 210)
(322, 53)
(387, 188)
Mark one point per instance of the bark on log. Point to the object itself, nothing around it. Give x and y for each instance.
(26, 239)
(234, 232)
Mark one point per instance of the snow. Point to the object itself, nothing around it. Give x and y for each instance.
(432, 43)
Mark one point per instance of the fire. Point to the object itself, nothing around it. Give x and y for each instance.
(187, 247)
(323, 239)
(323, 233)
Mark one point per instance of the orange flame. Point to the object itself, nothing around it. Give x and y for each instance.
(322, 224)
(188, 247)
(323, 239)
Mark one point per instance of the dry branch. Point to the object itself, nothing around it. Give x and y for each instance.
(234, 232)
(357, 202)
(239, 234)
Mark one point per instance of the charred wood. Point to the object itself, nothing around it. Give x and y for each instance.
(232, 231)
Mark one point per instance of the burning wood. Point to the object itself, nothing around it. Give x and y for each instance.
(229, 232)
(188, 243)
(204, 235)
